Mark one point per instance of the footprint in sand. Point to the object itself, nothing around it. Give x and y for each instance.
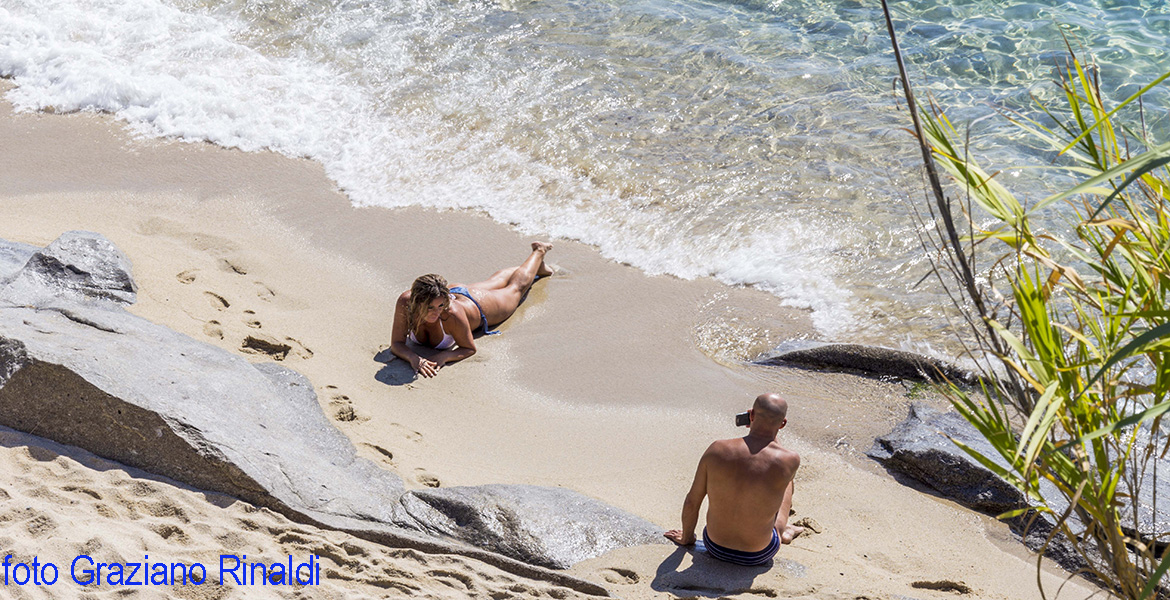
(345, 413)
(82, 490)
(40, 524)
(187, 276)
(217, 302)
(380, 450)
(262, 343)
(426, 479)
(233, 266)
(299, 349)
(343, 409)
(407, 433)
(263, 292)
(213, 329)
(619, 575)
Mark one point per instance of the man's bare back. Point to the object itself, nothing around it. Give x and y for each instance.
(748, 482)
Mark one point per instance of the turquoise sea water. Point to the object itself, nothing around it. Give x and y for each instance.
(757, 142)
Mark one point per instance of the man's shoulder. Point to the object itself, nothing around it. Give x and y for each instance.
(725, 446)
(787, 456)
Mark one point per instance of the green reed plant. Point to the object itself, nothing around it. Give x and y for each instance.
(1073, 354)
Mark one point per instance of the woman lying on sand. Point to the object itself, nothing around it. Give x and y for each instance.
(431, 314)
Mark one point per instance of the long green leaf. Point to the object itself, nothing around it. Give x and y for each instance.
(1092, 184)
(1038, 413)
(1146, 168)
(1129, 349)
(1109, 115)
(1150, 413)
(1156, 576)
(1011, 477)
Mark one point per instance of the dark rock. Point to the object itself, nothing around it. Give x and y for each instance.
(545, 526)
(79, 267)
(921, 448)
(873, 360)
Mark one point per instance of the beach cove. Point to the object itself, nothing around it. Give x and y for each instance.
(598, 384)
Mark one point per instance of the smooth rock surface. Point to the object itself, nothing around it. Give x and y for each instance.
(547, 526)
(873, 360)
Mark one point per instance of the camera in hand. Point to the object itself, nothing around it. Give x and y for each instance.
(743, 420)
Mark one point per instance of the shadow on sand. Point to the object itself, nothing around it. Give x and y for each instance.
(396, 371)
(711, 578)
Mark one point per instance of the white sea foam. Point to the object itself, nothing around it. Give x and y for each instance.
(188, 74)
(746, 141)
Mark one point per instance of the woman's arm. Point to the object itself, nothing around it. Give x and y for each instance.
(398, 345)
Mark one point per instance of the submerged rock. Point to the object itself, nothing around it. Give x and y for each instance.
(921, 447)
(872, 360)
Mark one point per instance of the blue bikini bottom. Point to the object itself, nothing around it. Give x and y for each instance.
(462, 291)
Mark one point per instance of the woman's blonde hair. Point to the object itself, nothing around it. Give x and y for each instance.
(422, 292)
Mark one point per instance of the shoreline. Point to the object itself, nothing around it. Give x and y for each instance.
(598, 382)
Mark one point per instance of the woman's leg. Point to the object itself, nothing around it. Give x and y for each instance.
(501, 294)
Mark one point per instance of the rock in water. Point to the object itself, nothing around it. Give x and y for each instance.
(545, 526)
(872, 360)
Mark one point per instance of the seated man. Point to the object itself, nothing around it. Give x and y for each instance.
(749, 483)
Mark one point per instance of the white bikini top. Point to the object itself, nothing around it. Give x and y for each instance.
(447, 341)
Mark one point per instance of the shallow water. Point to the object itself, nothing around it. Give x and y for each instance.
(757, 142)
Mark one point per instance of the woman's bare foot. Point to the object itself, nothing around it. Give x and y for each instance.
(542, 248)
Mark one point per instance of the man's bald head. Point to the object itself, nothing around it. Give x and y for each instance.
(770, 410)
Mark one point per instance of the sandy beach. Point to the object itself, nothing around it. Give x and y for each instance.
(606, 381)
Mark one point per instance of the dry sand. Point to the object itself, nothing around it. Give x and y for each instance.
(606, 381)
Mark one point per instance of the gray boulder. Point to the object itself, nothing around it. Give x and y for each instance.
(78, 267)
(138, 393)
(872, 360)
(545, 526)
